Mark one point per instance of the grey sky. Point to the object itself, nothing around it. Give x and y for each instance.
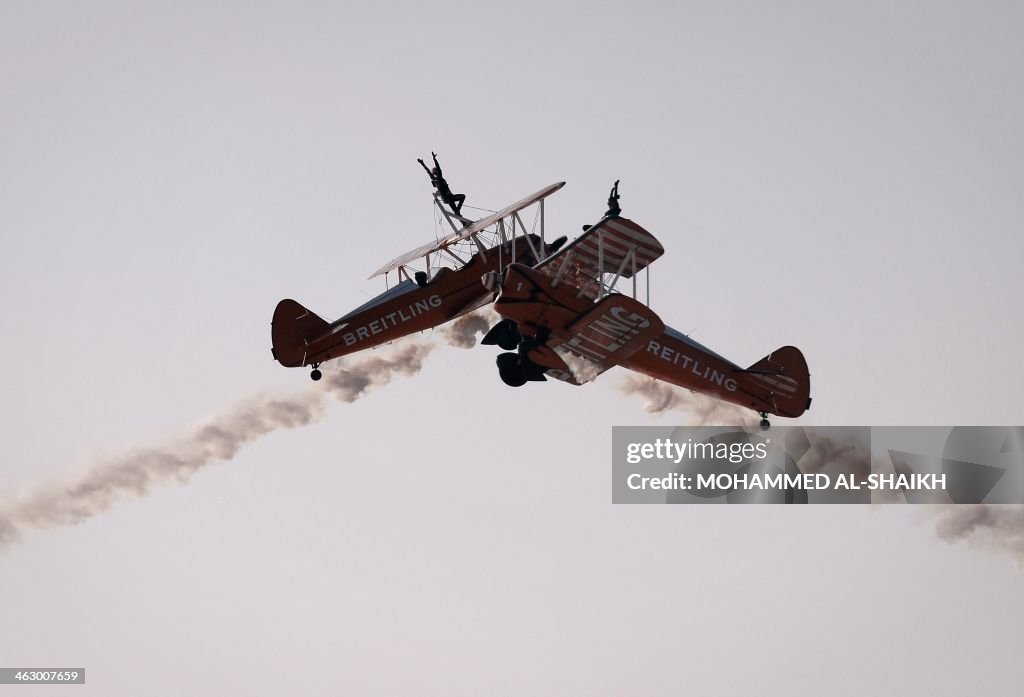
(845, 177)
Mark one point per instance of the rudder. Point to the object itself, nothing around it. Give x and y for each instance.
(292, 328)
(784, 372)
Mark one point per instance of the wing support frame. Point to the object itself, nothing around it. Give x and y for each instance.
(628, 260)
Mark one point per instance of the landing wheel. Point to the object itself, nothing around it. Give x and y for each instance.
(316, 374)
(505, 334)
(765, 423)
(510, 368)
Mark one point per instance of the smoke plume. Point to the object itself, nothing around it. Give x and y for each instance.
(462, 332)
(582, 369)
(353, 379)
(995, 526)
(137, 472)
(704, 411)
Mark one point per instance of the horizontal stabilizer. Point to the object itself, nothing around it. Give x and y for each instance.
(291, 330)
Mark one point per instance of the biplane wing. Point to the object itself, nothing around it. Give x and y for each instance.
(468, 231)
(614, 245)
(617, 327)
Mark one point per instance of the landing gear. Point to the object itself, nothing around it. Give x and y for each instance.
(316, 374)
(517, 370)
(505, 334)
(765, 423)
(510, 368)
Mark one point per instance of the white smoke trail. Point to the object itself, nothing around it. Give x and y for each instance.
(998, 527)
(582, 369)
(353, 379)
(137, 472)
(704, 410)
(462, 332)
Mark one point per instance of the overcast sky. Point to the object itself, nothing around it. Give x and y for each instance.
(844, 177)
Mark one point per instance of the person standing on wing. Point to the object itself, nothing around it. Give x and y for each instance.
(613, 200)
(613, 205)
(454, 201)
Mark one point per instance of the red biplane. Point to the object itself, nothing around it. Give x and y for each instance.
(563, 316)
(447, 287)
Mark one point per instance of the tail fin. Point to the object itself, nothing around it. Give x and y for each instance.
(292, 328)
(784, 373)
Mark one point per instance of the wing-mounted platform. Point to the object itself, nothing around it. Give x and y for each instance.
(502, 226)
(593, 263)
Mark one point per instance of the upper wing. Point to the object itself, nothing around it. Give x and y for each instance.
(612, 246)
(467, 231)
